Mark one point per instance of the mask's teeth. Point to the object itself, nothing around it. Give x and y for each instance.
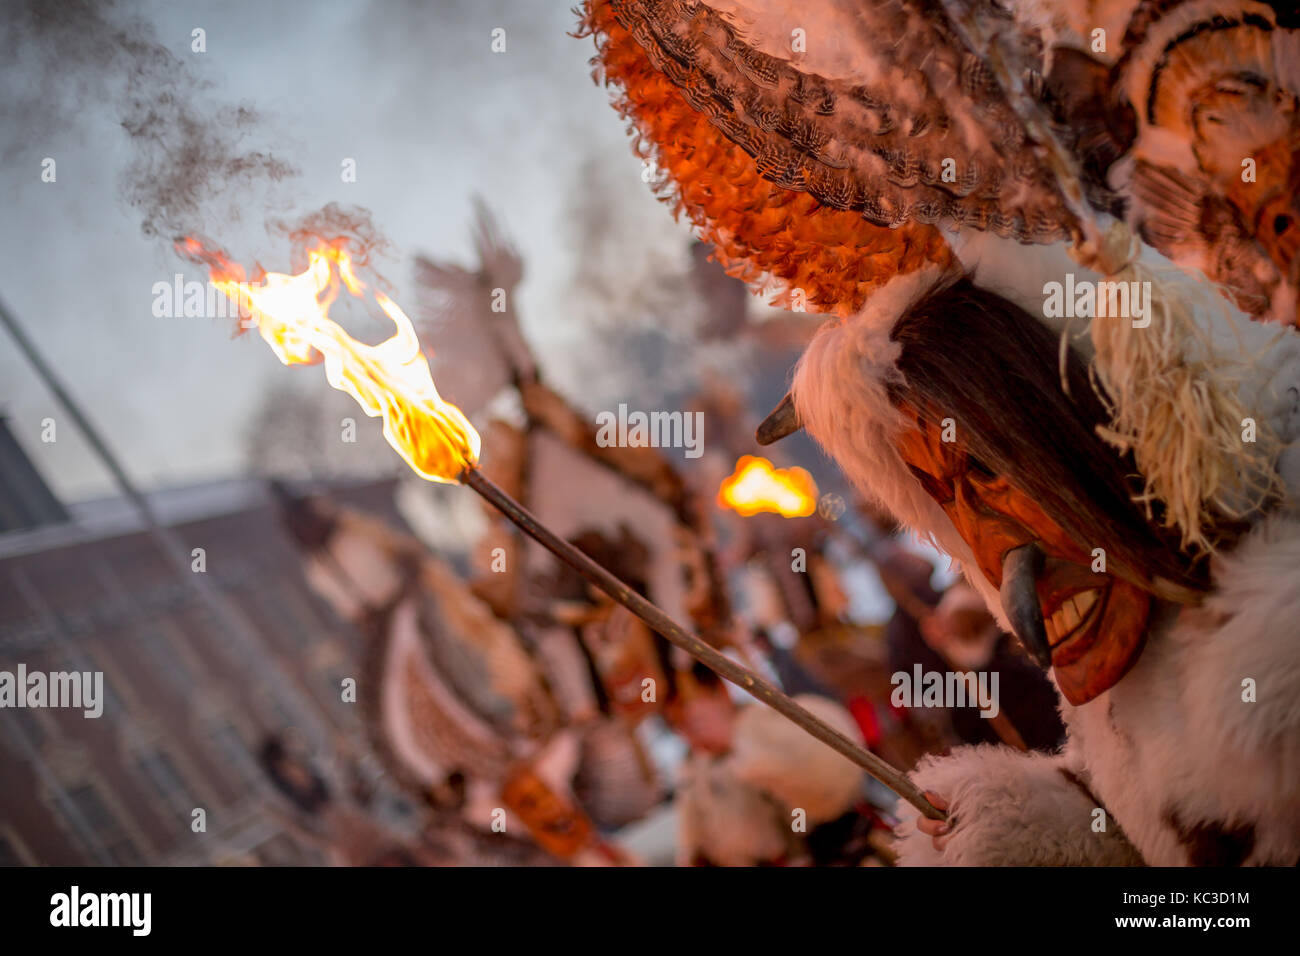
(1070, 615)
(1084, 601)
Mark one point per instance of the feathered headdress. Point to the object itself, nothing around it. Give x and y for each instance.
(851, 156)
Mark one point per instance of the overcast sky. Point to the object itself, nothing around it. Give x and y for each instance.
(411, 91)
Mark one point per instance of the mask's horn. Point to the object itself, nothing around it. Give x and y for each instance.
(781, 421)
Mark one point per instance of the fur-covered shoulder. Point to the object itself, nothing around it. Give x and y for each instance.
(1241, 659)
(1197, 750)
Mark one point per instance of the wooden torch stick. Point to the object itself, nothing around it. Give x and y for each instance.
(719, 663)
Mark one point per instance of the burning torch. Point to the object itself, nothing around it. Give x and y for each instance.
(392, 381)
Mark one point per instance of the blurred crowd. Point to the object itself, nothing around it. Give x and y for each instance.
(534, 720)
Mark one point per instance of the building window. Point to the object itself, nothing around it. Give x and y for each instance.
(21, 724)
(107, 828)
(288, 616)
(236, 755)
(165, 659)
(167, 782)
(114, 705)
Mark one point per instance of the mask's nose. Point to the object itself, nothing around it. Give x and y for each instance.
(781, 421)
(1020, 569)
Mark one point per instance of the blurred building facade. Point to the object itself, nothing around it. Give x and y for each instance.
(187, 705)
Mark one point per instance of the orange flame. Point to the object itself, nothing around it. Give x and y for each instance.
(756, 486)
(391, 379)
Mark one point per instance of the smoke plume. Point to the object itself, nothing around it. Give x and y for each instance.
(188, 167)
